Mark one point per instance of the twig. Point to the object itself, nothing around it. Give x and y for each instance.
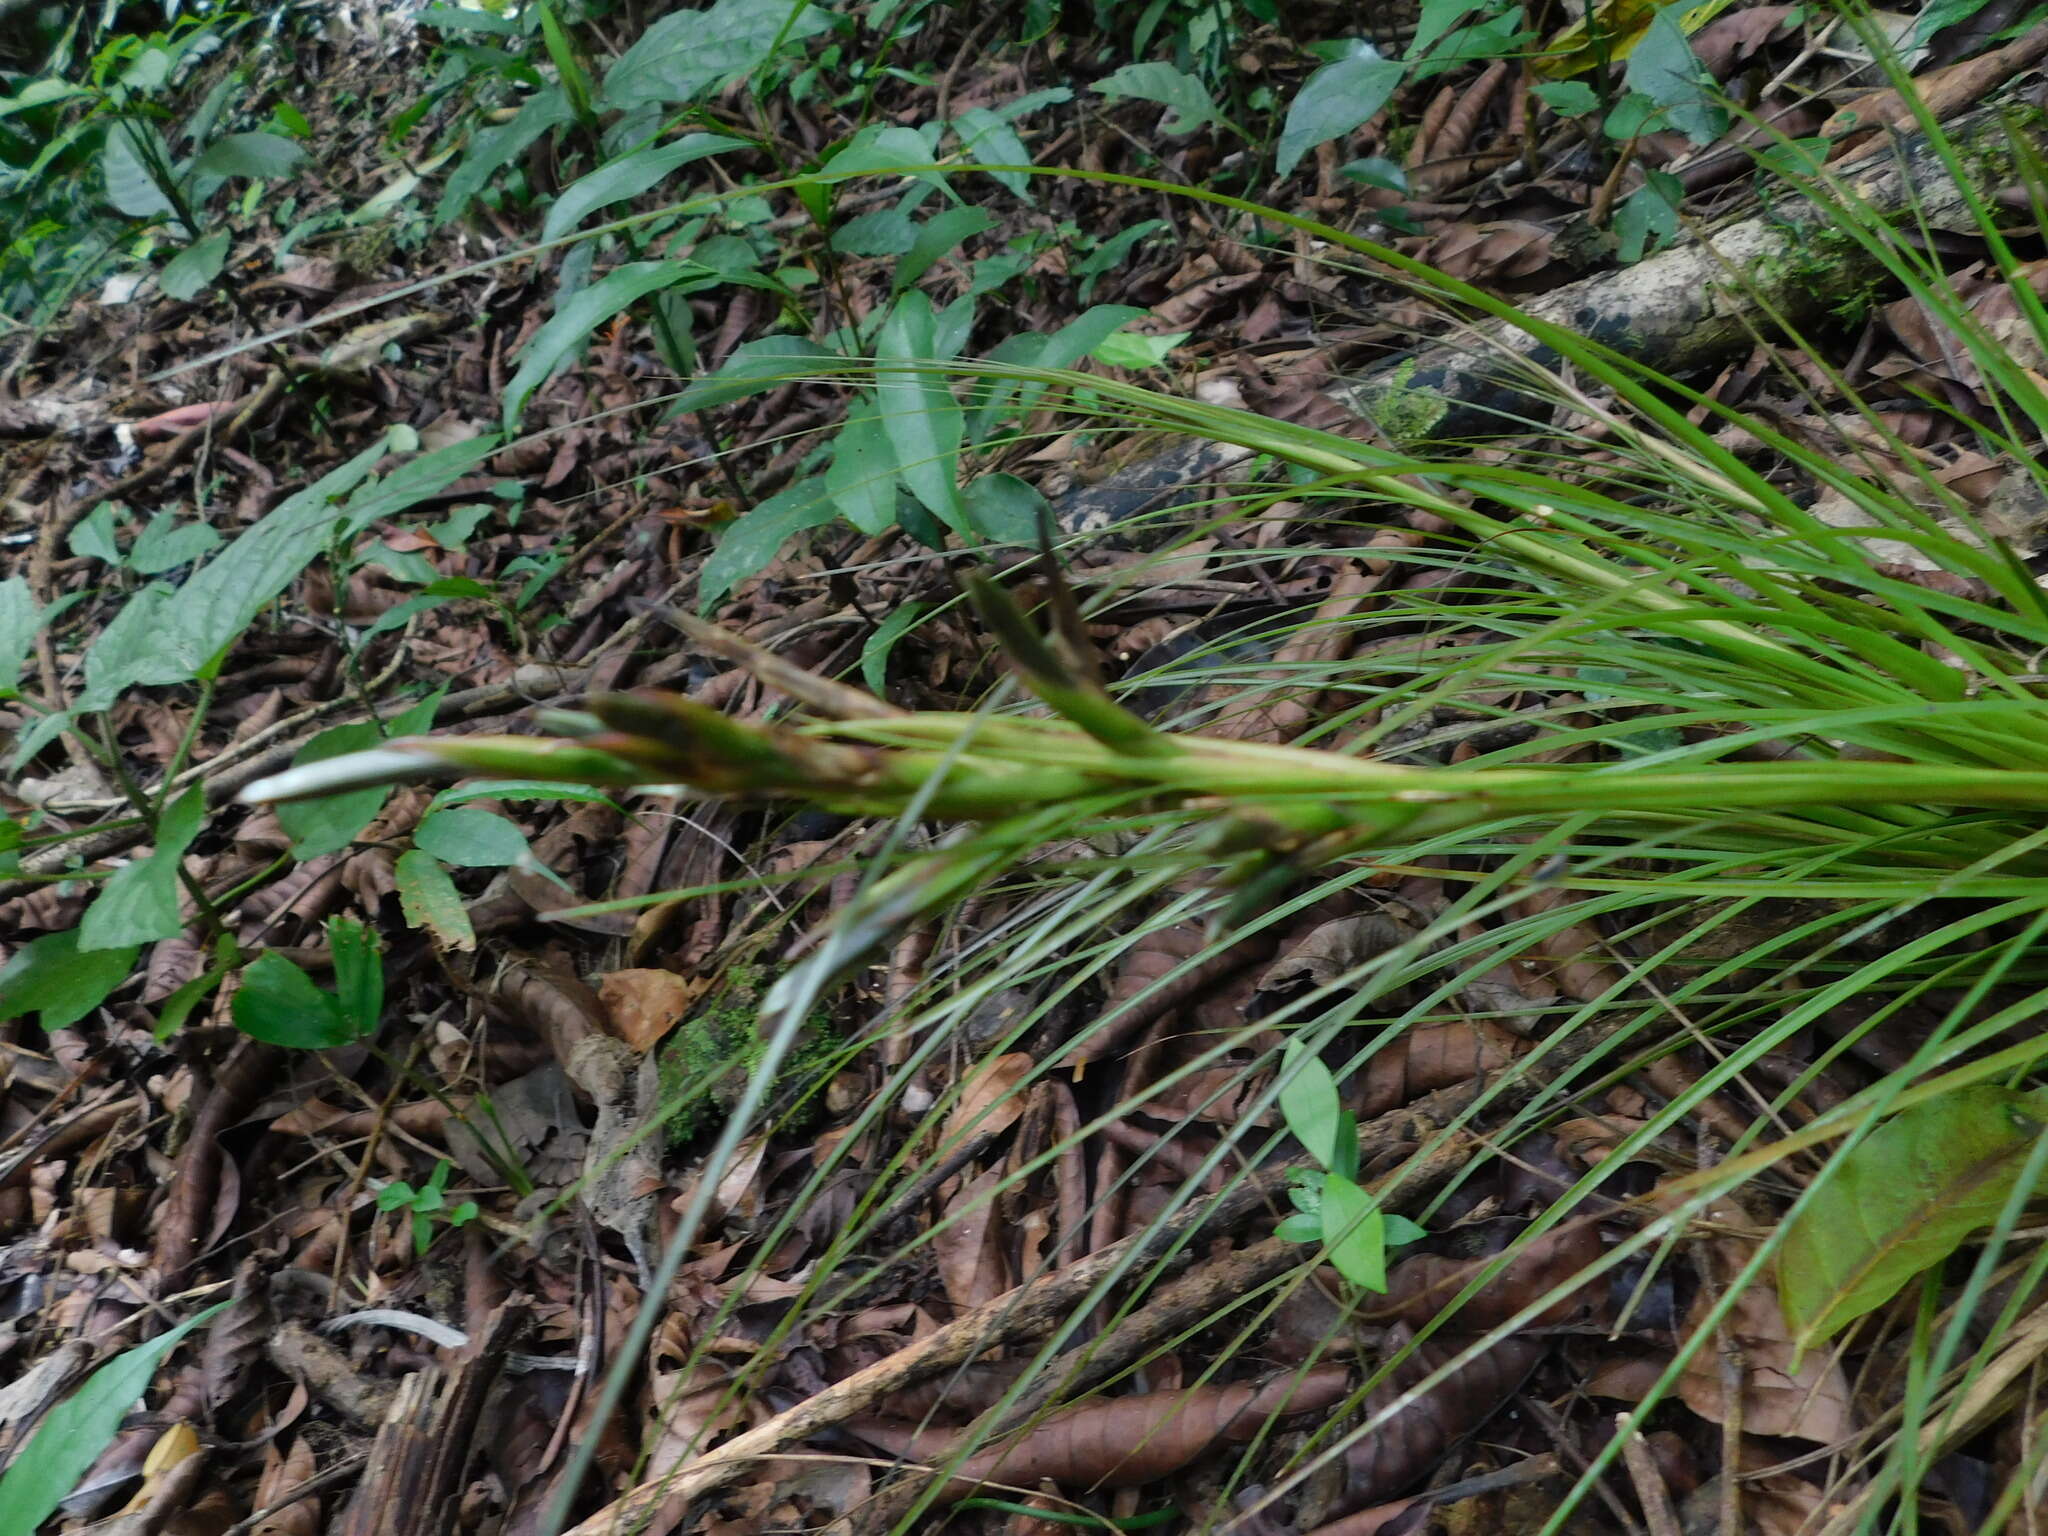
(319, 1482)
(1651, 1491)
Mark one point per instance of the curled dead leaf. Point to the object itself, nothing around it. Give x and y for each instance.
(1119, 1442)
(640, 1006)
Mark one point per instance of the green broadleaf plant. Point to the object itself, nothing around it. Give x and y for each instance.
(1902, 1200)
(279, 1004)
(72, 1435)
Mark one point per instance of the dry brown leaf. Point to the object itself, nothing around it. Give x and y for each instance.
(1121, 1442)
(641, 1006)
(1332, 949)
(989, 1102)
(969, 1246)
(1812, 1404)
(1414, 1439)
(1628, 1378)
(281, 1474)
(1593, 1139)
(1421, 1287)
(1729, 41)
(1509, 248)
(1431, 1057)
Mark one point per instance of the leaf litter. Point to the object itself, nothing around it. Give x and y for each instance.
(938, 1224)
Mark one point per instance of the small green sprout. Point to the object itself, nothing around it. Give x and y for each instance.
(427, 1203)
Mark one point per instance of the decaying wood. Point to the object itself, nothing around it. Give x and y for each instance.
(427, 1438)
(303, 1356)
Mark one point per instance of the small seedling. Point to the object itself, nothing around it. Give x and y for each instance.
(1332, 1208)
(427, 1203)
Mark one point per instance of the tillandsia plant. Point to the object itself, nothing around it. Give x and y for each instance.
(1307, 806)
(1703, 618)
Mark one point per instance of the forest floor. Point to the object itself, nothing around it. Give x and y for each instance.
(432, 1088)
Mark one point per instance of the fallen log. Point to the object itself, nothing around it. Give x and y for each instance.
(1681, 310)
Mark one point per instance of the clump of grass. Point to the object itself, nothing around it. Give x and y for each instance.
(1770, 727)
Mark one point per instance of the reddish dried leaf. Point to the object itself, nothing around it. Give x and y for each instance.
(1122, 1442)
(1431, 1057)
(1487, 252)
(641, 1006)
(1409, 1444)
(1812, 1404)
(281, 1474)
(1421, 1287)
(989, 1102)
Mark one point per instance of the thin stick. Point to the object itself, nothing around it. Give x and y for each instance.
(1651, 1491)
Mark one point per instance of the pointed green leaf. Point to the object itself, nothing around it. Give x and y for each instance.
(494, 149)
(748, 543)
(923, 421)
(139, 903)
(50, 977)
(165, 544)
(754, 368)
(1005, 508)
(884, 149)
(169, 635)
(131, 148)
(1333, 101)
(1356, 1231)
(194, 267)
(1664, 68)
(688, 54)
(429, 900)
(1309, 1102)
(358, 974)
(469, 838)
(1903, 1200)
(329, 824)
(278, 1004)
(20, 617)
(250, 154)
(935, 237)
(1193, 106)
(569, 328)
(861, 479)
(874, 651)
(990, 140)
(74, 1433)
(628, 177)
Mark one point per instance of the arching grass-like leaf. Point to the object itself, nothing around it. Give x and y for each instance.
(627, 177)
(570, 326)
